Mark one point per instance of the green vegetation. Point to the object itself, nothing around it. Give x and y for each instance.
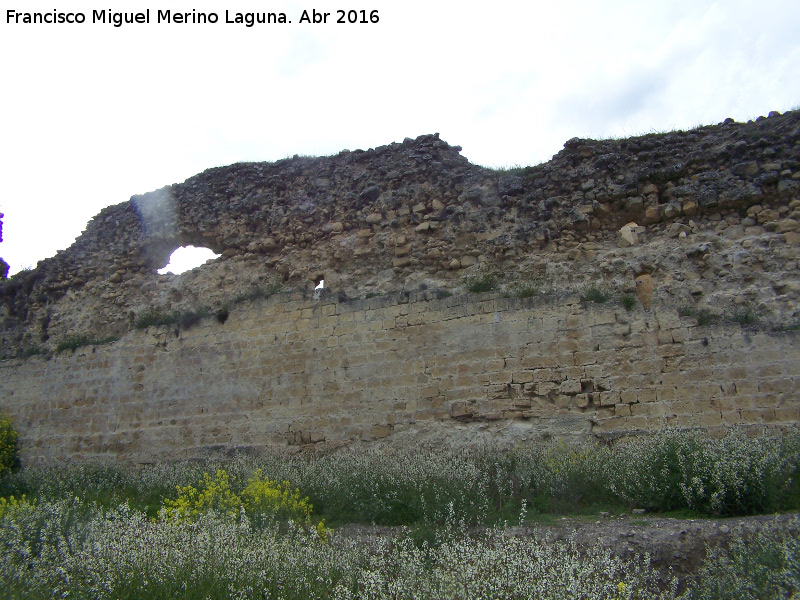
(260, 497)
(77, 340)
(744, 316)
(155, 317)
(33, 351)
(239, 529)
(512, 170)
(595, 294)
(628, 301)
(704, 316)
(9, 456)
(482, 281)
(767, 565)
(527, 287)
(256, 293)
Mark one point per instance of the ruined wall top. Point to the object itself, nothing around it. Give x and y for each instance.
(719, 205)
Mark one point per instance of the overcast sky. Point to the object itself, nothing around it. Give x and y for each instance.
(92, 113)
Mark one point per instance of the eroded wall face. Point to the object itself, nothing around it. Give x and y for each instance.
(290, 373)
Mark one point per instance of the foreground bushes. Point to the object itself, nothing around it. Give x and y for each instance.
(241, 530)
(735, 475)
(669, 471)
(69, 550)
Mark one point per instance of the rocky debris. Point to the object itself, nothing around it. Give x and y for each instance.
(717, 210)
(630, 234)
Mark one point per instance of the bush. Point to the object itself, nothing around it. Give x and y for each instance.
(595, 294)
(734, 475)
(744, 316)
(764, 567)
(527, 288)
(706, 317)
(628, 301)
(481, 282)
(155, 317)
(257, 293)
(9, 455)
(78, 340)
(13, 506)
(260, 497)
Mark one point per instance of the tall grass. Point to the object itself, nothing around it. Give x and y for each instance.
(671, 470)
(106, 531)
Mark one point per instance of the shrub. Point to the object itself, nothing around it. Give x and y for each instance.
(155, 317)
(78, 340)
(215, 494)
(734, 475)
(12, 506)
(33, 351)
(764, 567)
(744, 316)
(9, 455)
(260, 497)
(482, 281)
(706, 317)
(527, 288)
(628, 301)
(595, 294)
(256, 293)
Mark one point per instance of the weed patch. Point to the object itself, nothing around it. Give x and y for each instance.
(155, 317)
(78, 340)
(704, 316)
(595, 294)
(628, 301)
(481, 282)
(744, 316)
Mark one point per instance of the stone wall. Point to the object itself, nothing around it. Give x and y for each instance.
(710, 217)
(720, 208)
(405, 368)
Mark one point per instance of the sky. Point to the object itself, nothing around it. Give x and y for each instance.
(93, 114)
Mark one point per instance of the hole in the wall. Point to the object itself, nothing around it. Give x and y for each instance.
(186, 258)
